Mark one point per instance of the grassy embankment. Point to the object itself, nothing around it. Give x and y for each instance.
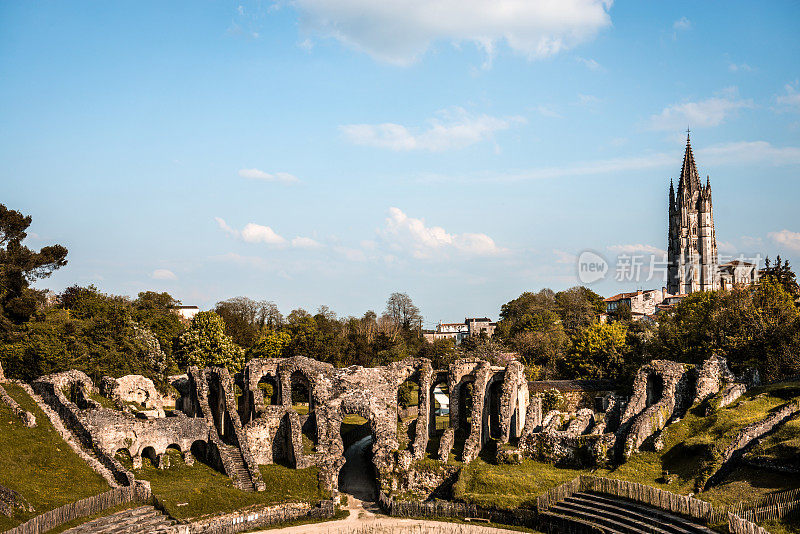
(38, 464)
(688, 454)
(198, 490)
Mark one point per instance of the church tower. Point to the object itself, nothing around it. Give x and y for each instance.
(692, 244)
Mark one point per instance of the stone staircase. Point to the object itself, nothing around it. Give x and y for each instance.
(240, 475)
(593, 512)
(133, 520)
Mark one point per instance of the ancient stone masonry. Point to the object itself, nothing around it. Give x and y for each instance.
(291, 410)
(10, 500)
(748, 436)
(106, 431)
(28, 419)
(661, 388)
(136, 390)
(213, 398)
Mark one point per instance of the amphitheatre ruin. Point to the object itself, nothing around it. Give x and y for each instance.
(237, 423)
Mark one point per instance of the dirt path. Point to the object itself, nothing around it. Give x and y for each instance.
(358, 483)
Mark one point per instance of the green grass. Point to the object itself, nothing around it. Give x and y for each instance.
(103, 401)
(783, 445)
(687, 444)
(787, 525)
(206, 491)
(509, 486)
(38, 464)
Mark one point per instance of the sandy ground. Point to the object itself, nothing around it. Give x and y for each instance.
(365, 517)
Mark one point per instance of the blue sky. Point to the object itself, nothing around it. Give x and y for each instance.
(333, 151)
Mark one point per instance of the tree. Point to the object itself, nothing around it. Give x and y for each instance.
(403, 312)
(271, 344)
(244, 318)
(783, 274)
(20, 266)
(599, 351)
(578, 307)
(205, 344)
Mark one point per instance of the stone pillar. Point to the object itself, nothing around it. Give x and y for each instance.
(188, 458)
(137, 461)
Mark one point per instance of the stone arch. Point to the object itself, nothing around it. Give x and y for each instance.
(149, 452)
(123, 455)
(492, 424)
(199, 449)
(464, 398)
(358, 452)
(268, 386)
(439, 407)
(655, 389)
(300, 391)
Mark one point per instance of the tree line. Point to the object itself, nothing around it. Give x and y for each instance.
(555, 334)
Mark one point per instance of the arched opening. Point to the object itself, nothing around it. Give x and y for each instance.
(358, 475)
(407, 410)
(439, 413)
(302, 402)
(174, 455)
(465, 399)
(150, 454)
(199, 450)
(493, 400)
(216, 402)
(268, 387)
(655, 389)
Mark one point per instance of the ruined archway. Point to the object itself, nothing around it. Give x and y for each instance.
(465, 398)
(655, 389)
(358, 475)
(491, 412)
(268, 387)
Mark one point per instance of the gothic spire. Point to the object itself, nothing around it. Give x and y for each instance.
(689, 177)
(671, 195)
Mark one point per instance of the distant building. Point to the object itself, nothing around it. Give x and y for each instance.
(187, 313)
(474, 326)
(641, 303)
(737, 272)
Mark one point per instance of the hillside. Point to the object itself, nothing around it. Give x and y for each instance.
(39, 464)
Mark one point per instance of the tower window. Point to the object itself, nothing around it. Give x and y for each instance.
(694, 230)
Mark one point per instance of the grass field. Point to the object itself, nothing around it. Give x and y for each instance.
(685, 454)
(38, 464)
(194, 491)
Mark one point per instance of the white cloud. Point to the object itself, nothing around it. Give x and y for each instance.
(725, 154)
(743, 152)
(786, 238)
(256, 174)
(701, 114)
(637, 248)
(163, 274)
(225, 228)
(404, 233)
(565, 257)
(726, 247)
(305, 242)
(590, 64)
(546, 111)
(682, 24)
(790, 101)
(256, 233)
(455, 129)
(400, 31)
(252, 233)
(739, 67)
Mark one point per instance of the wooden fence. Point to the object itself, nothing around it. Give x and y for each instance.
(83, 508)
(459, 510)
(737, 525)
(559, 493)
(665, 500)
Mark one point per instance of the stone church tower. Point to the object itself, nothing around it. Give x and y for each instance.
(692, 246)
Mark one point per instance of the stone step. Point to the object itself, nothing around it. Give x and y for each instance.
(602, 520)
(618, 516)
(133, 520)
(565, 524)
(662, 515)
(601, 506)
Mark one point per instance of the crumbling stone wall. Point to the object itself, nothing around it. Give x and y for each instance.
(134, 388)
(640, 421)
(711, 377)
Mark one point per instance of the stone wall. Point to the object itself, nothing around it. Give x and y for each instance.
(28, 419)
